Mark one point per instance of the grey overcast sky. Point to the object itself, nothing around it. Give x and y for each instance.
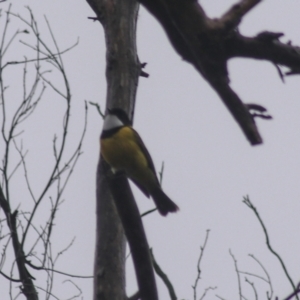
(209, 165)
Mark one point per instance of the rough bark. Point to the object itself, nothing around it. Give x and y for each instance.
(109, 268)
(123, 69)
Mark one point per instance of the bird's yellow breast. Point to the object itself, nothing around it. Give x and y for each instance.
(122, 152)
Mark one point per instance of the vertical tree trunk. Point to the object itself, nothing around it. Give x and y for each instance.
(118, 18)
(109, 268)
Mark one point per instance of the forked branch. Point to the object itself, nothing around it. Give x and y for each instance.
(208, 44)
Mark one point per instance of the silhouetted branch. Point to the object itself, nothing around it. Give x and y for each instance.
(268, 280)
(9, 278)
(238, 274)
(59, 272)
(210, 288)
(148, 212)
(269, 295)
(163, 277)
(247, 201)
(20, 223)
(77, 288)
(98, 108)
(235, 14)
(136, 237)
(202, 248)
(253, 287)
(294, 294)
(208, 44)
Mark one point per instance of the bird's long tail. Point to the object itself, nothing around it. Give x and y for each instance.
(163, 203)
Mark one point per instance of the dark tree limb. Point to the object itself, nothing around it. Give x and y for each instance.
(264, 46)
(135, 234)
(209, 43)
(163, 277)
(235, 14)
(28, 287)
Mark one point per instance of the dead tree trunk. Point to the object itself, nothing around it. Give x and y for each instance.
(123, 69)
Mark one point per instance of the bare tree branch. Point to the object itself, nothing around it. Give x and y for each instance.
(294, 294)
(136, 237)
(20, 223)
(202, 248)
(208, 44)
(9, 278)
(235, 14)
(253, 287)
(163, 277)
(269, 295)
(238, 275)
(247, 201)
(210, 288)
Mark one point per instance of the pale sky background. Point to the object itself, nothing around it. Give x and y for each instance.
(209, 165)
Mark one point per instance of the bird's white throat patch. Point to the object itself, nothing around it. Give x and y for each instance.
(111, 122)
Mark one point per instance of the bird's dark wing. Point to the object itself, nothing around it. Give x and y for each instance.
(146, 152)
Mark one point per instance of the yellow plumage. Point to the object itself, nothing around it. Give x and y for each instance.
(123, 149)
(122, 152)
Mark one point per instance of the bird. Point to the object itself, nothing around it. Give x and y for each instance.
(123, 149)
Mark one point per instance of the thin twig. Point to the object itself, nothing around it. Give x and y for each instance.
(267, 274)
(98, 108)
(76, 286)
(22, 156)
(148, 212)
(247, 201)
(21, 228)
(48, 293)
(202, 248)
(254, 275)
(210, 288)
(253, 287)
(163, 277)
(10, 278)
(238, 274)
(67, 96)
(59, 272)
